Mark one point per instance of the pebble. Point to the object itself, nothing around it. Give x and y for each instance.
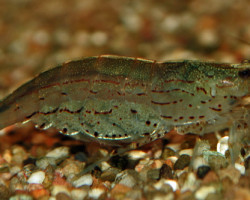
(166, 172)
(186, 151)
(128, 178)
(202, 171)
(59, 153)
(137, 154)
(44, 162)
(70, 167)
(215, 159)
(182, 162)
(79, 194)
(83, 180)
(173, 184)
(190, 182)
(95, 193)
(21, 197)
(153, 174)
(120, 190)
(222, 145)
(230, 172)
(203, 192)
(56, 189)
(167, 152)
(240, 167)
(37, 177)
(110, 174)
(63, 196)
(19, 154)
(4, 192)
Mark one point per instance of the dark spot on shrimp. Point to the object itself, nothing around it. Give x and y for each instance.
(65, 130)
(133, 111)
(244, 73)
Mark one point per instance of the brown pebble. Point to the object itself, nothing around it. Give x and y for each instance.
(110, 174)
(182, 162)
(62, 196)
(167, 152)
(4, 192)
(153, 174)
(166, 172)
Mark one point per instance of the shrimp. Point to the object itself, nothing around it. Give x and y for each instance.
(120, 100)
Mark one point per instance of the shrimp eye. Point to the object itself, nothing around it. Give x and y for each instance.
(244, 73)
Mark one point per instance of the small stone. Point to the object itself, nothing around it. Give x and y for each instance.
(95, 193)
(58, 153)
(167, 152)
(134, 194)
(137, 154)
(62, 196)
(153, 174)
(19, 154)
(230, 172)
(128, 178)
(110, 174)
(222, 145)
(44, 162)
(166, 172)
(186, 151)
(215, 159)
(4, 168)
(79, 194)
(120, 191)
(83, 180)
(4, 192)
(182, 162)
(210, 177)
(21, 197)
(202, 171)
(203, 192)
(14, 170)
(56, 189)
(173, 184)
(71, 168)
(37, 177)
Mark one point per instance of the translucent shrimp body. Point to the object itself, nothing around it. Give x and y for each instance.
(118, 100)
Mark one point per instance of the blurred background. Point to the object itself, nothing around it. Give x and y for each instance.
(37, 35)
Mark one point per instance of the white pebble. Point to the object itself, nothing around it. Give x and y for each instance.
(186, 151)
(78, 194)
(59, 189)
(59, 152)
(137, 154)
(222, 145)
(208, 37)
(174, 185)
(240, 167)
(83, 180)
(95, 193)
(202, 193)
(37, 177)
(99, 38)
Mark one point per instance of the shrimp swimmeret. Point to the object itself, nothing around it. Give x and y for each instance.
(119, 100)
